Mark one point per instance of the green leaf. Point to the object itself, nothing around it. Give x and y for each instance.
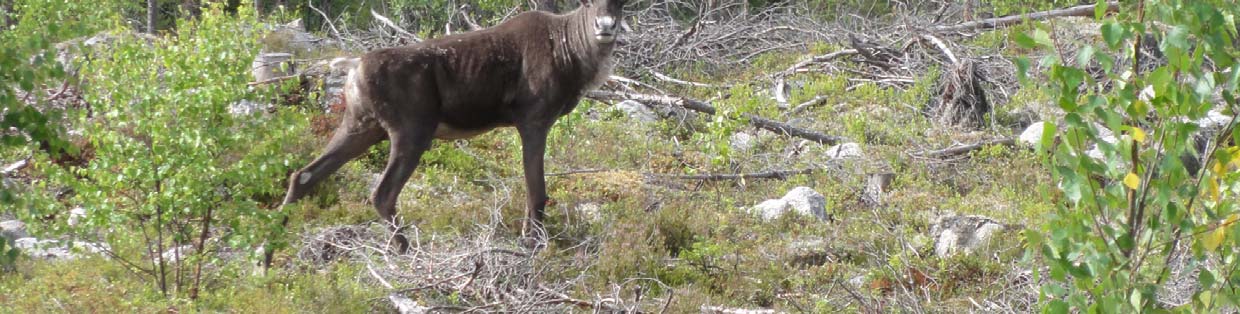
(1085, 56)
(1211, 240)
(1042, 38)
(1025, 41)
(1057, 307)
(1177, 37)
(1135, 299)
(1049, 129)
(1113, 33)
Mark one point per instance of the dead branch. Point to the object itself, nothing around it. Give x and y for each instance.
(722, 34)
(669, 79)
(389, 23)
(15, 166)
(469, 20)
(816, 101)
(938, 43)
(991, 23)
(964, 149)
(702, 107)
(775, 174)
(960, 99)
(818, 59)
(326, 18)
(706, 309)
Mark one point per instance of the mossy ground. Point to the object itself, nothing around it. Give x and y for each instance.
(695, 237)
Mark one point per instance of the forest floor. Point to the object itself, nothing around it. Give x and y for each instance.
(646, 214)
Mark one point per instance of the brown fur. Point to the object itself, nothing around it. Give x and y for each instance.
(525, 72)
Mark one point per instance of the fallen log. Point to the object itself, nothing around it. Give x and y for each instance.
(991, 23)
(703, 107)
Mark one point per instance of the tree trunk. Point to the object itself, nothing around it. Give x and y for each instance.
(258, 7)
(152, 15)
(549, 6)
(6, 10)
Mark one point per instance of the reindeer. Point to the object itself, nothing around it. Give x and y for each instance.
(525, 73)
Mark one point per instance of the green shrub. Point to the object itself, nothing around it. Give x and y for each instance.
(1122, 219)
(170, 162)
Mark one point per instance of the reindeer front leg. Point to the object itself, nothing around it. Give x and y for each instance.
(533, 148)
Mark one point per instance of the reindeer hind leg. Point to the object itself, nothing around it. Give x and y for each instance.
(351, 140)
(409, 141)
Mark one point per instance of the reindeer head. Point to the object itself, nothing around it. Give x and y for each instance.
(606, 16)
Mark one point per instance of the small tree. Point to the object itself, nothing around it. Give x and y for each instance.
(175, 175)
(1124, 213)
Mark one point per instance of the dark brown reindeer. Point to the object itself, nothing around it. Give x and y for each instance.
(526, 73)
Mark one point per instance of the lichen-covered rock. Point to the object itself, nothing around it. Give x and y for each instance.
(810, 251)
(269, 66)
(76, 215)
(637, 111)
(247, 107)
(742, 141)
(772, 209)
(955, 234)
(56, 249)
(178, 253)
(590, 211)
(1032, 136)
(405, 305)
(802, 200)
(845, 151)
(12, 230)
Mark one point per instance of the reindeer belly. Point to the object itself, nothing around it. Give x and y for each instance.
(448, 132)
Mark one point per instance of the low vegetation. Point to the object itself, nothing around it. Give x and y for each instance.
(136, 130)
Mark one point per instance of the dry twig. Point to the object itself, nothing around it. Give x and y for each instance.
(964, 149)
(702, 107)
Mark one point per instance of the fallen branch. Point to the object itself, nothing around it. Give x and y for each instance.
(818, 59)
(14, 167)
(991, 23)
(561, 298)
(781, 77)
(706, 309)
(669, 79)
(699, 106)
(958, 150)
(777, 174)
(817, 100)
(938, 43)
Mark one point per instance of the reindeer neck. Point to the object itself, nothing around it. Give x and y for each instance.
(577, 44)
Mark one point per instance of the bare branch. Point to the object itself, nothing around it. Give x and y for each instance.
(699, 106)
(958, 150)
(325, 18)
(775, 174)
(1080, 10)
(938, 43)
(389, 23)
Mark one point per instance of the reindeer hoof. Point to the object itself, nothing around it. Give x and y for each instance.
(401, 244)
(532, 243)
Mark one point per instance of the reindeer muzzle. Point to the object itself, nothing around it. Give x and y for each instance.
(605, 29)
